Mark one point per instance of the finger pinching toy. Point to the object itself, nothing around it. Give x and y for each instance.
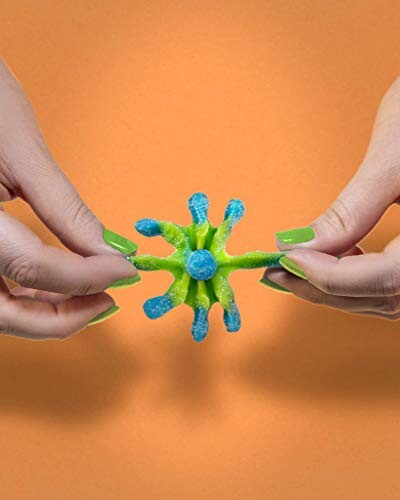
(200, 265)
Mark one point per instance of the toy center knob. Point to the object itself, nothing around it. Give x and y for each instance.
(201, 265)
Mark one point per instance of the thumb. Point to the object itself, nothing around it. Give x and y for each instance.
(350, 217)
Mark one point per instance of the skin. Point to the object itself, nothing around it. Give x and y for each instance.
(357, 282)
(59, 291)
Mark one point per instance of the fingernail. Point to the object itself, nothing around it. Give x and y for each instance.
(125, 282)
(267, 282)
(119, 242)
(111, 311)
(298, 235)
(292, 267)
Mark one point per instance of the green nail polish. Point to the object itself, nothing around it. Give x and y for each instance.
(111, 311)
(265, 281)
(292, 267)
(125, 282)
(119, 242)
(299, 235)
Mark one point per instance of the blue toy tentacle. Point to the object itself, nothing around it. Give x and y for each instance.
(201, 306)
(200, 324)
(172, 233)
(148, 227)
(232, 318)
(225, 295)
(173, 297)
(157, 306)
(198, 206)
(234, 211)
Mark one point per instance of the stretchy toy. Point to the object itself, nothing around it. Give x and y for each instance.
(200, 265)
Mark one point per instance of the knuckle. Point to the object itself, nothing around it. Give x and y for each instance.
(389, 285)
(84, 289)
(329, 285)
(390, 306)
(339, 217)
(27, 274)
(314, 296)
(23, 270)
(81, 216)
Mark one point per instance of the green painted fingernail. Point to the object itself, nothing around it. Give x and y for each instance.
(299, 235)
(111, 311)
(125, 282)
(119, 242)
(265, 281)
(292, 267)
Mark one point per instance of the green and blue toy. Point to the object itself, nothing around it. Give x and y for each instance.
(200, 264)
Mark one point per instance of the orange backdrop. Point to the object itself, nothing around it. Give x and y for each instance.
(143, 103)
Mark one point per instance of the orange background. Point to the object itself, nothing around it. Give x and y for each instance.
(143, 103)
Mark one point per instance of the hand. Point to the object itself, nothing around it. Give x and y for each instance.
(355, 282)
(42, 306)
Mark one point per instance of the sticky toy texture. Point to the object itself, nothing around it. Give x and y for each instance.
(200, 265)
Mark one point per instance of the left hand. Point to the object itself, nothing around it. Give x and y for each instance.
(356, 282)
